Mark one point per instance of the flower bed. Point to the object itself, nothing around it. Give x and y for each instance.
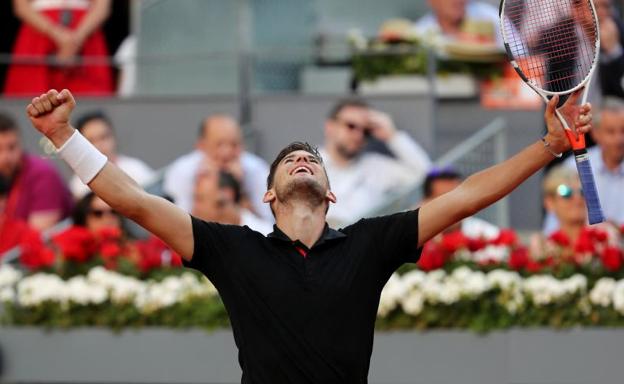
(461, 283)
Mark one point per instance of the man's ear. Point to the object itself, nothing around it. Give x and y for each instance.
(331, 197)
(269, 196)
(549, 203)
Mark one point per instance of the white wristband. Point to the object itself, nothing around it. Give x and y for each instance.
(82, 157)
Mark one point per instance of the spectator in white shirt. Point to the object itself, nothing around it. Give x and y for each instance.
(461, 20)
(98, 129)
(220, 141)
(361, 179)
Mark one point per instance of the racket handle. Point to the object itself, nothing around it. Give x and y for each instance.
(594, 211)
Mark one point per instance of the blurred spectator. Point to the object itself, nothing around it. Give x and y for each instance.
(217, 197)
(607, 160)
(63, 33)
(361, 179)
(11, 230)
(16, 233)
(441, 181)
(461, 20)
(37, 193)
(94, 214)
(611, 69)
(221, 142)
(563, 198)
(98, 129)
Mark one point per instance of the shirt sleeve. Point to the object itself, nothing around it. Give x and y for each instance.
(395, 237)
(211, 245)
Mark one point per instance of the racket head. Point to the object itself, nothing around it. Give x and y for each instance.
(552, 44)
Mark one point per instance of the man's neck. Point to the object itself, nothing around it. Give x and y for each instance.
(612, 164)
(301, 222)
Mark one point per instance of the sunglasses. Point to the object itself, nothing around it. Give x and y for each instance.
(567, 192)
(355, 127)
(99, 213)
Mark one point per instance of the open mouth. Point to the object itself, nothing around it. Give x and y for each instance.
(302, 169)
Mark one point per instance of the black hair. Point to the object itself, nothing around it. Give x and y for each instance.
(227, 180)
(7, 123)
(438, 174)
(346, 103)
(86, 118)
(81, 210)
(292, 147)
(5, 186)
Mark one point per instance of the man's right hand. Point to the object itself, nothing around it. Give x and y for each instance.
(49, 114)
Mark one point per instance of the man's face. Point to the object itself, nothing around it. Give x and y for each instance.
(347, 133)
(300, 176)
(222, 141)
(10, 153)
(451, 11)
(610, 135)
(206, 195)
(442, 186)
(567, 203)
(100, 134)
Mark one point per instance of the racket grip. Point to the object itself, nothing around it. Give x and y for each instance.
(594, 210)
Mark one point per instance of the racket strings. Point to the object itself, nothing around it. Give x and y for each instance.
(553, 41)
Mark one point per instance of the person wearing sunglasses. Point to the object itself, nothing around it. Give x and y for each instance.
(364, 178)
(563, 197)
(94, 214)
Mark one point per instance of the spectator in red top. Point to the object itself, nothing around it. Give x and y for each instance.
(63, 32)
(37, 193)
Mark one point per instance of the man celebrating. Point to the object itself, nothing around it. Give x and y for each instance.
(303, 300)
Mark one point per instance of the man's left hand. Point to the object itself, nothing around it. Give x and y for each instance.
(381, 125)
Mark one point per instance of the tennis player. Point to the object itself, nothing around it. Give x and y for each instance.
(303, 300)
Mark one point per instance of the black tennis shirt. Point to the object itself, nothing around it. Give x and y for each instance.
(307, 319)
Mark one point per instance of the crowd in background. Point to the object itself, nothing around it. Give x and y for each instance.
(366, 157)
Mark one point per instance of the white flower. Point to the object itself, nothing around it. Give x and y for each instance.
(9, 275)
(37, 289)
(390, 295)
(575, 284)
(543, 289)
(497, 253)
(7, 295)
(505, 280)
(618, 297)
(602, 293)
(413, 303)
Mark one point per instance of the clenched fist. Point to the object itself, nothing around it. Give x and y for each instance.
(49, 114)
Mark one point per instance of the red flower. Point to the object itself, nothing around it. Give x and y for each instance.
(453, 241)
(598, 235)
(34, 254)
(585, 242)
(506, 237)
(76, 244)
(560, 238)
(432, 257)
(110, 250)
(109, 234)
(519, 258)
(475, 244)
(611, 258)
(155, 253)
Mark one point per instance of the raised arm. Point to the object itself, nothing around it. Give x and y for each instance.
(50, 113)
(490, 185)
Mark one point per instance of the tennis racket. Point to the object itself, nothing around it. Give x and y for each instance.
(554, 45)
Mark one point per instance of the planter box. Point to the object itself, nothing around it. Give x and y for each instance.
(31, 355)
(447, 86)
